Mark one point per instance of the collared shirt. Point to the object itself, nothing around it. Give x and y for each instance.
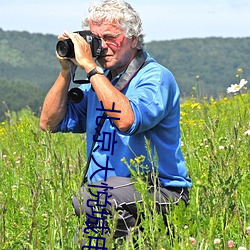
(154, 97)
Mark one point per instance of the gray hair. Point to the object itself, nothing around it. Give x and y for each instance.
(120, 13)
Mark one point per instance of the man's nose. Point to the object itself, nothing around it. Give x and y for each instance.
(104, 44)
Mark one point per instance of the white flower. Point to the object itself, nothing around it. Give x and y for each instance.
(217, 241)
(246, 133)
(237, 87)
(242, 248)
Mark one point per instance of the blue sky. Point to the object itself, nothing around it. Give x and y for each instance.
(162, 19)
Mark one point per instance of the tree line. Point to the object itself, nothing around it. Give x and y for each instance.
(202, 67)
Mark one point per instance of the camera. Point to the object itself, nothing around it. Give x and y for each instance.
(65, 48)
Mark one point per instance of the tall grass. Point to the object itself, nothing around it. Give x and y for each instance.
(40, 172)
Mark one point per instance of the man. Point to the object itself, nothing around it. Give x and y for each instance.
(141, 100)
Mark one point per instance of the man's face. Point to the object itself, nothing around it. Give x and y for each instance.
(118, 50)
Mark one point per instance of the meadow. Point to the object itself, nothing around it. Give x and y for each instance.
(40, 172)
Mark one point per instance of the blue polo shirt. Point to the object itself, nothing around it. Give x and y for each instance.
(154, 97)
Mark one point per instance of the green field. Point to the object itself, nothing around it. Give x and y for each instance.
(40, 172)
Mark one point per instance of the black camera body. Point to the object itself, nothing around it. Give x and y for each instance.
(65, 48)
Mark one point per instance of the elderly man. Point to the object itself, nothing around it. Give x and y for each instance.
(136, 98)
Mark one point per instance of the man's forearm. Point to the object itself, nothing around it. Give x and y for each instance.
(55, 103)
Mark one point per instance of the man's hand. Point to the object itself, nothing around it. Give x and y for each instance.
(66, 63)
(83, 54)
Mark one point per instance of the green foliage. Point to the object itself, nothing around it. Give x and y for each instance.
(28, 58)
(208, 62)
(14, 95)
(40, 172)
(37, 181)
(28, 68)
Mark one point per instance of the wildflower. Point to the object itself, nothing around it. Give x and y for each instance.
(137, 159)
(14, 188)
(248, 230)
(237, 87)
(132, 162)
(192, 240)
(45, 216)
(221, 147)
(240, 70)
(247, 133)
(195, 106)
(230, 244)
(216, 241)
(198, 182)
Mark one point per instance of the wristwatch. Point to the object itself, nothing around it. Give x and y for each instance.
(96, 70)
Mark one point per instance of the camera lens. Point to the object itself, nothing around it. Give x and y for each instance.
(75, 95)
(65, 48)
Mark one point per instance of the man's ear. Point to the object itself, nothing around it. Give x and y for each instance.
(134, 42)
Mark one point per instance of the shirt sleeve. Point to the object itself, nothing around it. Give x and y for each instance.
(75, 117)
(152, 98)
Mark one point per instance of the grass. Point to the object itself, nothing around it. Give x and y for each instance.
(40, 172)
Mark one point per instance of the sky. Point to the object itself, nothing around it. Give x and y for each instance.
(162, 19)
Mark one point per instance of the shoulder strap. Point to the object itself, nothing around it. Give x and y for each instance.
(136, 64)
(84, 180)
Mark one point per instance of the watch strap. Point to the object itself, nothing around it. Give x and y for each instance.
(93, 72)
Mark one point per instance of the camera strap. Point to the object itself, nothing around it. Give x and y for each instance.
(136, 64)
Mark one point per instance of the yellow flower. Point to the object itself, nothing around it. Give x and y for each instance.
(132, 162)
(195, 105)
(240, 70)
